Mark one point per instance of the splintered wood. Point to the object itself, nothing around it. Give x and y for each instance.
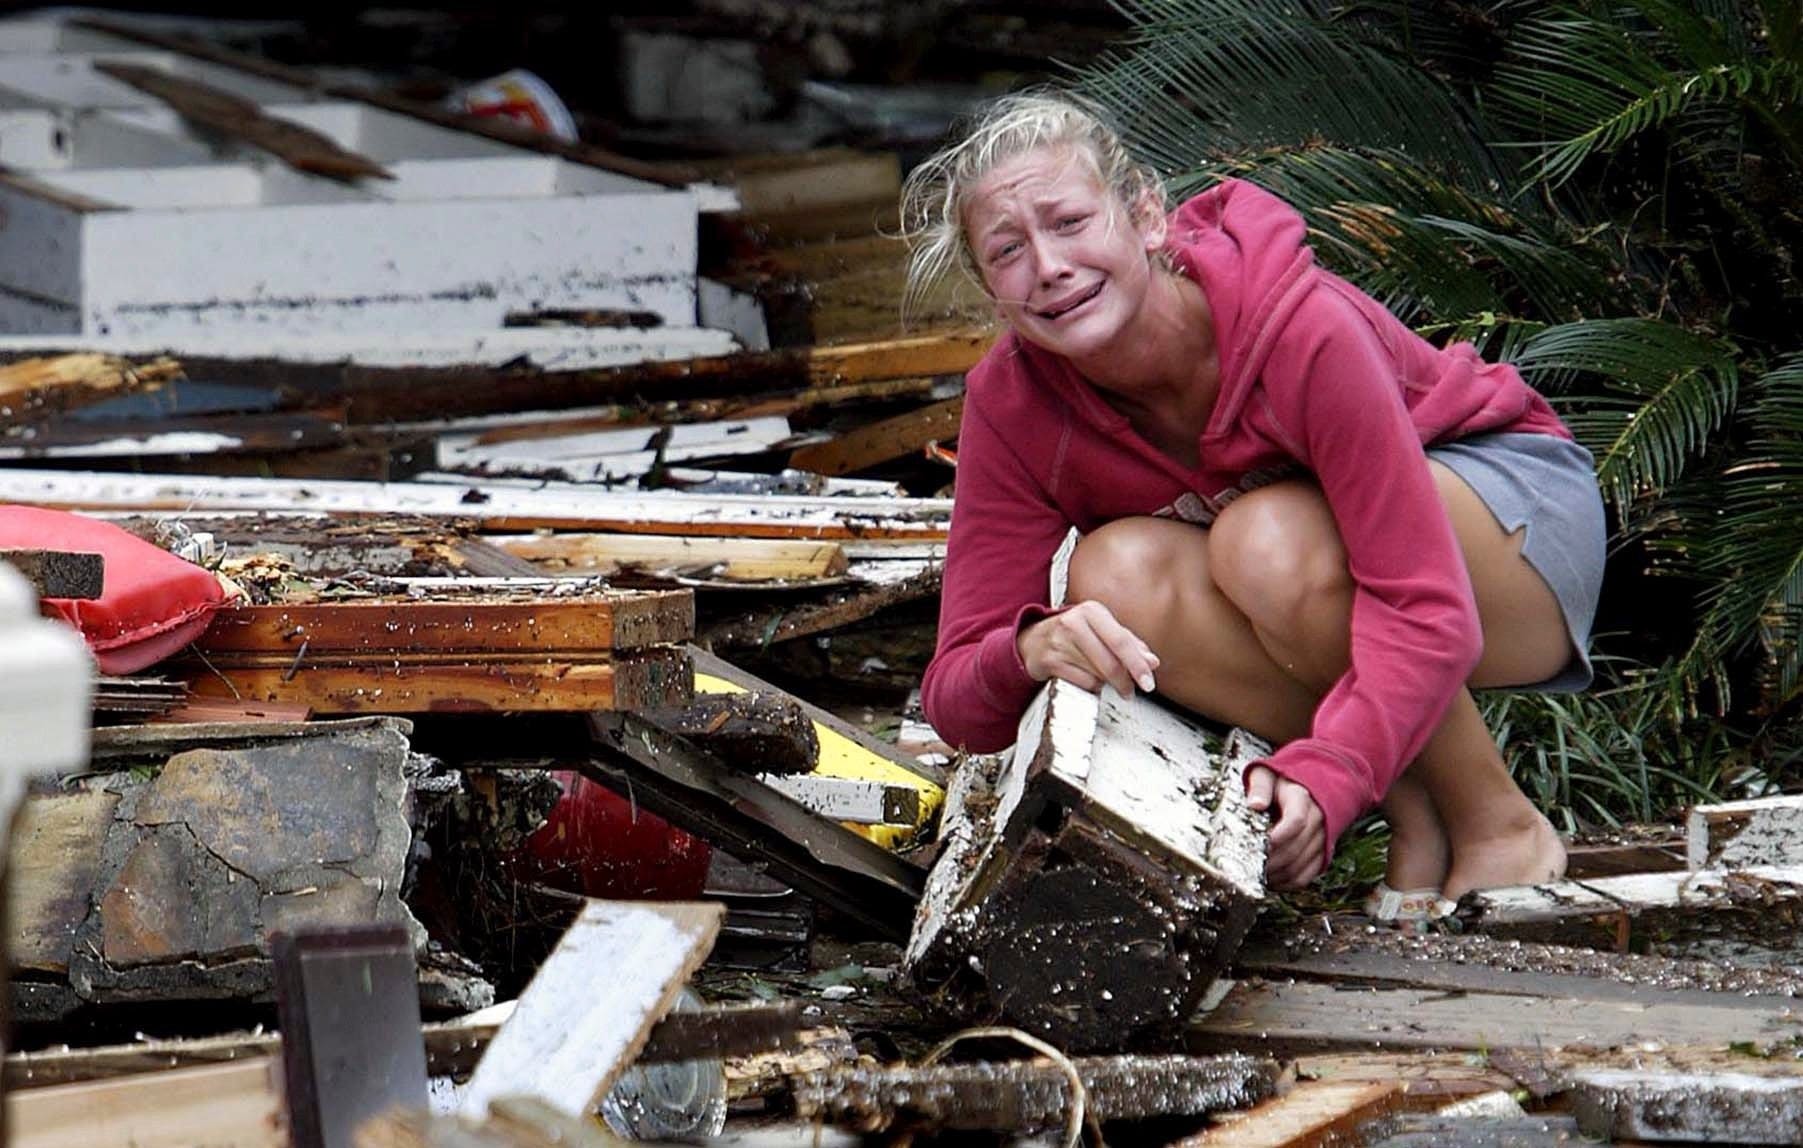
(1103, 882)
(596, 651)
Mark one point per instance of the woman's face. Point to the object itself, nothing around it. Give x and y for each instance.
(1063, 258)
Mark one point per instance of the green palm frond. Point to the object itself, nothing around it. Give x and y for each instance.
(1749, 551)
(1197, 79)
(1665, 394)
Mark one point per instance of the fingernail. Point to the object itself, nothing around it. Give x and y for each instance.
(1147, 682)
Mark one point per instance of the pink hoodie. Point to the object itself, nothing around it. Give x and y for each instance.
(1316, 376)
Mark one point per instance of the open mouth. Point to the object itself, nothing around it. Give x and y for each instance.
(1066, 308)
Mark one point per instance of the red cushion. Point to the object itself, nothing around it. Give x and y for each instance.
(151, 604)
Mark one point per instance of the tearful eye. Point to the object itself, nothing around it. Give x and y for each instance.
(1070, 221)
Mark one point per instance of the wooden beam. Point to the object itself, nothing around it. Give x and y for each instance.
(403, 684)
(731, 559)
(570, 1037)
(228, 1105)
(489, 625)
(1312, 1114)
(882, 441)
(1737, 834)
(296, 145)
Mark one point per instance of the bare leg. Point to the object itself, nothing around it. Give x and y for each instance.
(1251, 623)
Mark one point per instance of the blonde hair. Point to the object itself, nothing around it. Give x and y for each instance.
(934, 196)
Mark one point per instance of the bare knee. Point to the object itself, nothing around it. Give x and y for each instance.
(1134, 566)
(1276, 554)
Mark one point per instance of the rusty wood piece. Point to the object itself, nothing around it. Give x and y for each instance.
(753, 732)
(731, 559)
(839, 608)
(64, 382)
(1737, 834)
(882, 441)
(1312, 1114)
(1301, 1019)
(1761, 905)
(296, 145)
(235, 1105)
(59, 573)
(1025, 1096)
(403, 684)
(821, 858)
(1727, 1108)
(566, 1044)
(378, 628)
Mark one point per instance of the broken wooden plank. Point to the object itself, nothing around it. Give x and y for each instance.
(879, 442)
(881, 587)
(821, 858)
(761, 733)
(1430, 1078)
(730, 559)
(1106, 881)
(1299, 1019)
(1028, 1096)
(1726, 1108)
(606, 456)
(567, 1043)
(34, 386)
(447, 683)
(59, 573)
(235, 117)
(1311, 1114)
(622, 620)
(1421, 1130)
(228, 1105)
(495, 505)
(452, 1047)
(1757, 905)
(1444, 962)
(849, 798)
(1738, 834)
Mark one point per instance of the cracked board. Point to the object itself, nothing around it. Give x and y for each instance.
(1095, 889)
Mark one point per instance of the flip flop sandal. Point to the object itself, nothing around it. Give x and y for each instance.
(1406, 907)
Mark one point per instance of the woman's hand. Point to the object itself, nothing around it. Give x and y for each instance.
(1086, 646)
(1298, 831)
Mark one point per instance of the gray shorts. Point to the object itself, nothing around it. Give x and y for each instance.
(1548, 486)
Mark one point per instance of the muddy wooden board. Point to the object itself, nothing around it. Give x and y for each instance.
(1294, 1019)
(587, 622)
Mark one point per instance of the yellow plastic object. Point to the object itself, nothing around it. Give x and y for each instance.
(842, 757)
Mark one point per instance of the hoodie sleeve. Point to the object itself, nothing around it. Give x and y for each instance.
(1331, 386)
(998, 560)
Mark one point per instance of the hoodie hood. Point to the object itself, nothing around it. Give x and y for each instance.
(1248, 251)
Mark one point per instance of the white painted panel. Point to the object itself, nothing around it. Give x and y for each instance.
(494, 257)
(40, 37)
(70, 79)
(384, 136)
(552, 348)
(192, 186)
(40, 140)
(40, 245)
(29, 139)
(729, 437)
(502, 177)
